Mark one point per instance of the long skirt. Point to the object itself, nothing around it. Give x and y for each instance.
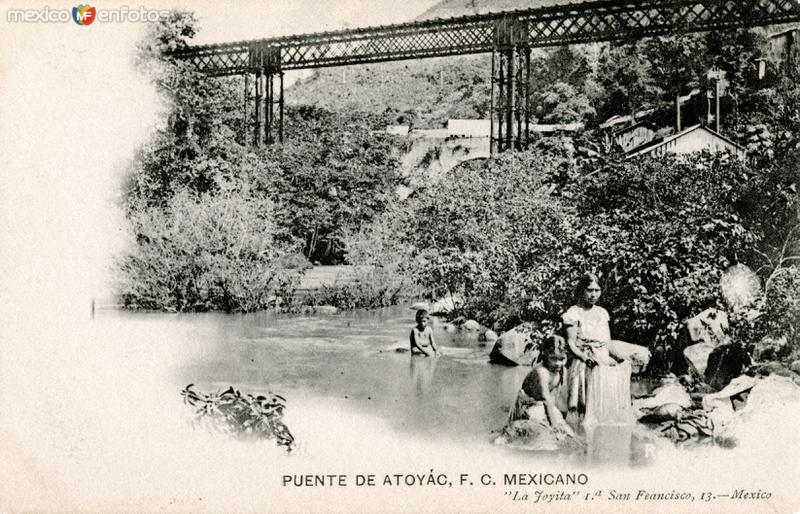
(573, 393)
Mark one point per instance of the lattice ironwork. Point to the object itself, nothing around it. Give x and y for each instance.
(581, 22)
(509, 36)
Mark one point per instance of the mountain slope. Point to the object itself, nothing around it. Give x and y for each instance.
(451, 8)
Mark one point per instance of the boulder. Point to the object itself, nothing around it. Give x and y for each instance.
(514, 348)
(710, 326)
(490, 336)
(770, 348)
(724, 398)
(766, 421)
(447, 304)
(725, 363)
(697, 358)
(471, 325)
(637, 355)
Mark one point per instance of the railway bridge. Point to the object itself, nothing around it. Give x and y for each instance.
(509, 36)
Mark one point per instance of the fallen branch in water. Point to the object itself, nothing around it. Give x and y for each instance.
(240, 415)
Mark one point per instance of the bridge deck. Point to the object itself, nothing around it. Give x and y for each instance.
(580, 22)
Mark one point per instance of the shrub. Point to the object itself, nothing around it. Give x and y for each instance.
(483, 223)
(782, 307)
(333, 174)
(659, 232)
(245, 416)
(210, 252)
(371, 289)
(377, 254)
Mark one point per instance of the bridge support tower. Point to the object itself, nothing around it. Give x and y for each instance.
(267, 98)
(510, 107)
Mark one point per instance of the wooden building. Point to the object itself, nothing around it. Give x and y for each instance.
(693, 139)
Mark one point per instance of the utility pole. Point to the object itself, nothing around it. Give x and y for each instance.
(717, 76)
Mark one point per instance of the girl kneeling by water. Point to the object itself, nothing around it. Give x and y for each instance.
(538, 400)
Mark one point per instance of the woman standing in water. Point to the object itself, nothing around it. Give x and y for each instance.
(587, 334)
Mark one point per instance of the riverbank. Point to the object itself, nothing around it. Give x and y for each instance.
(99, 422)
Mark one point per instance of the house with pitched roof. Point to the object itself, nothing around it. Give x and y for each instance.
(690, 140)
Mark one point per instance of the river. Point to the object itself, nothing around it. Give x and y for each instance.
(97, 418)
(353, 358)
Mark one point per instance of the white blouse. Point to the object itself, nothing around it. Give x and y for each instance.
(591, 323)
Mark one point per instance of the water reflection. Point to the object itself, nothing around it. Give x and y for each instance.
(422, 369)
(353, 357)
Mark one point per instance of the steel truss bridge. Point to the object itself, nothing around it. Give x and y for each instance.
(509, 36)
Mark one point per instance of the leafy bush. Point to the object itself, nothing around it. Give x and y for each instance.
(371, 289)
(782, 307)
(377, 254)
(659, 232)
(247, 416)
(483, 223)
(210, 252)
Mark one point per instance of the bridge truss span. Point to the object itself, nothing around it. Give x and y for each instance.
(509, 36)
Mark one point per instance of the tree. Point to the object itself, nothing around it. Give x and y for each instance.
(628, 81)
(333, 174)
(196, 146)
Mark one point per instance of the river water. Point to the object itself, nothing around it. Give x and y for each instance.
(97, 418)
(352, 358)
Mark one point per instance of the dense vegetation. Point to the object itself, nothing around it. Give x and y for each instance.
(218, 223)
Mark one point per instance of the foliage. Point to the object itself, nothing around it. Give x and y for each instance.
(782, 306)
(561, 103)
(626, 76)
(372, 288)
(650, 73)
(198, 145)
(210, 252)
(333, 174)
(560, 81)
(377, 254)
(659, 232)
(244, 416)
(481, 224)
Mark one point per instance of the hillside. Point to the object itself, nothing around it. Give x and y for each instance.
(424, 92)
(450, 8)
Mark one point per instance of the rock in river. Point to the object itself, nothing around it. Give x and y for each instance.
(725, 363)
(514, 348)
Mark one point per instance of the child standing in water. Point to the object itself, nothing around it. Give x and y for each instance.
(421, 337)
